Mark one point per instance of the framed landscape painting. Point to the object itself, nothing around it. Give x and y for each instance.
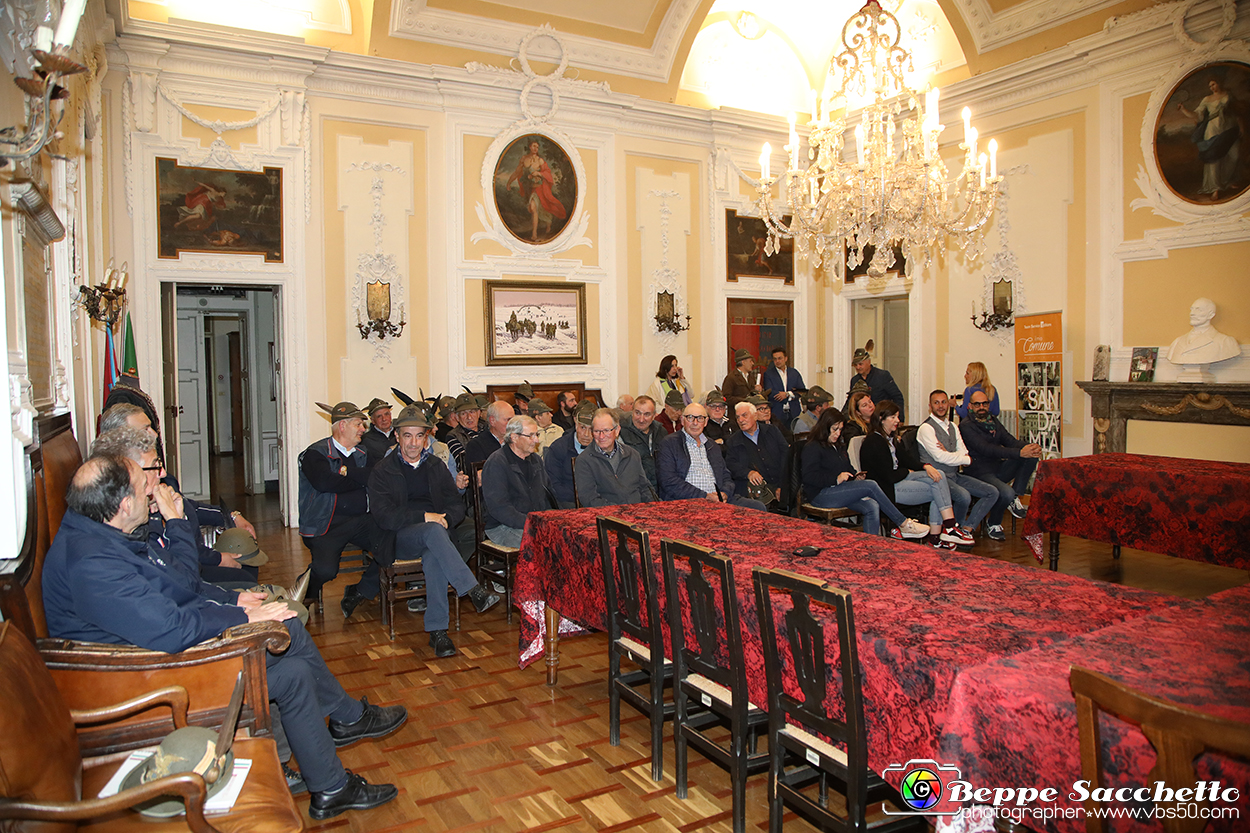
(219, 211)
(535, 323)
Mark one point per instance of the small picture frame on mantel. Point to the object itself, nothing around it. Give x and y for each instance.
(1142, 365)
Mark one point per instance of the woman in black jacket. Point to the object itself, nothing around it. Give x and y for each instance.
(907, 480)
(833, 484)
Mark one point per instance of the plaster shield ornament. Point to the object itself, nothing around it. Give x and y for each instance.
(1004, 266)
(1156, 194)
(378, 280)
(664, 278)
(574, 232)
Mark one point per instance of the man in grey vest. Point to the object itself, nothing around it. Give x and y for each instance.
(942, 447)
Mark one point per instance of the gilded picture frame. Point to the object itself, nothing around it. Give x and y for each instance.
(218, 211)
(532, 322)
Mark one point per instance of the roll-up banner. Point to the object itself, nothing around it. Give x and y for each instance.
(1039, 380)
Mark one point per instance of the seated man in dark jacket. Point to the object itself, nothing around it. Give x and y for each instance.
(514, 483)
(560, 455)
(999, 459)
(690, 466)
(334, 506)
(610, 472)
(643, 433)
(102, 583)
(415, 502)
(756, 454)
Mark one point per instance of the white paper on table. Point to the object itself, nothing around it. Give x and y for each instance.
(222, 802)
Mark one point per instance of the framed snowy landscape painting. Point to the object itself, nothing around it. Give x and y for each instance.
(535, 323)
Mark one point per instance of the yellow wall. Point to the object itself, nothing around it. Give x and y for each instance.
(1192, 442)
(1157, 293)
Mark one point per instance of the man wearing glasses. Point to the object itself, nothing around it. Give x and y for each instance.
(610, 473)
(690, 467)
(514, 483)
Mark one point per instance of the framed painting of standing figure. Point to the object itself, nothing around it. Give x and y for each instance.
(1200, 139)
(535, 188)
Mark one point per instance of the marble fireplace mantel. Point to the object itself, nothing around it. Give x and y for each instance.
(1115, 403)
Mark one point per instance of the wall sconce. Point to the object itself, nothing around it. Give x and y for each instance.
(1003, 315)
(104, 301)
(667, 318)
(378, 308)
(51, 53)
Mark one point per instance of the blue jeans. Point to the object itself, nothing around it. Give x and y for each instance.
(866, 497)
(963, 490)
(1011, 480)
(918, 488)
(506, 536)
(442, 565)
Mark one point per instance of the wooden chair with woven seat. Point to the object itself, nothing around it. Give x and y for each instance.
(709, 671)
(494, 561)
(404, 579)
(808, 745)
(1177, 733)
(635, 632)
(44, 779)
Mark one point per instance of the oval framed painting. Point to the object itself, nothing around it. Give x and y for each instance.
(535, 187)
(1201, 145)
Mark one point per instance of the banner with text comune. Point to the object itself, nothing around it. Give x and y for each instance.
(1039, 380)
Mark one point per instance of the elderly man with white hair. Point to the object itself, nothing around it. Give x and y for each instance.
(489, 441)
(756, 453)
(514, 483)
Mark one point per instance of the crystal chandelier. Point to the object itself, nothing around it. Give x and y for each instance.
(894, 190)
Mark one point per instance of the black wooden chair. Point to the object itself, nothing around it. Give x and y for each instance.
(709, 673)
(799, 507)
(634, 631)
(494, 561)
(577, 501)
(404, 579)
(807, 744)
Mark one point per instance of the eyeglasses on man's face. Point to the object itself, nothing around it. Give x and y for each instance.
(530, 436)
(602, 432)
(694, 418)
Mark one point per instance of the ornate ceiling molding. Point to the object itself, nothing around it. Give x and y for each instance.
(413, 20)
(990, 29)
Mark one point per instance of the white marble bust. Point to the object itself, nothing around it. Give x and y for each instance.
(1203, 344)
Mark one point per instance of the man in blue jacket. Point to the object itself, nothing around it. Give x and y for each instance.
(784, 385)
(690, 466)
(999, 459)
(756, 454)
(559, 457)
(103, 583)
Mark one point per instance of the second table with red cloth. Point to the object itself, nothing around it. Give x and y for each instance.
(923, 616)
(1195, 509)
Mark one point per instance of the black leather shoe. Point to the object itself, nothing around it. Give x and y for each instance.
(482, 598)
(356, 794)
(442, 644)
(374, 722)
(417, 605)
(294, 781)
(351, 601)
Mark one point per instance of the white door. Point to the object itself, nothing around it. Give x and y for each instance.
(275, 456)
(193, 436)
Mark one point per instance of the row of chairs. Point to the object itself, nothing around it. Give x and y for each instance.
(809, 748)
(706, 675)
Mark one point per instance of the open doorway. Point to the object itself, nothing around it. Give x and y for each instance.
(225, 404)
(758, 326)
(885, 322)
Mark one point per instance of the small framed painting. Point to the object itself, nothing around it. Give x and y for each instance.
(535, 323)
(745, 238)
(219, 211)
(1142, 366)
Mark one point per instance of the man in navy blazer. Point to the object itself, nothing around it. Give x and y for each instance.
(784, 385)
(690, 466)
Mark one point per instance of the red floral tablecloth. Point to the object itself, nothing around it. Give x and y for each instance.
(1195, 509)
(923, 616)
(1012, 722)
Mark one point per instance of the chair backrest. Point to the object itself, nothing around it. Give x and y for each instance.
(1177, 733)
(629, 584)
(852, 450)
(577, 502)
(794, 612)
(794, 468)
(39, 757)
(475, 489)
(703, 616)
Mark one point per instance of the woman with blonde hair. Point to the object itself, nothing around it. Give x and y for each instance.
(976, 377)
(858, 415)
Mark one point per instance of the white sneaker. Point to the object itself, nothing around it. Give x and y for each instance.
(913, 529)
(1017, 509)
(995, 532)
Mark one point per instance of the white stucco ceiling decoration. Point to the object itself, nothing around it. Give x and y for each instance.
(990, 29)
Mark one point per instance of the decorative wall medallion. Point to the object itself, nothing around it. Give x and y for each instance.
(536, 188)
(1200, 149)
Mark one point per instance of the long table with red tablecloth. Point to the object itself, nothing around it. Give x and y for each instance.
(931, 625)
(1195, 509)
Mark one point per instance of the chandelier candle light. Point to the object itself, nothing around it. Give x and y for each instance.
(894, 190)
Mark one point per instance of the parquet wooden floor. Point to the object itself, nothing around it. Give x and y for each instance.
(489, 747)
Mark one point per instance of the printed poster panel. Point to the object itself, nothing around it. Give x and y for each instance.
(1039, 380)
